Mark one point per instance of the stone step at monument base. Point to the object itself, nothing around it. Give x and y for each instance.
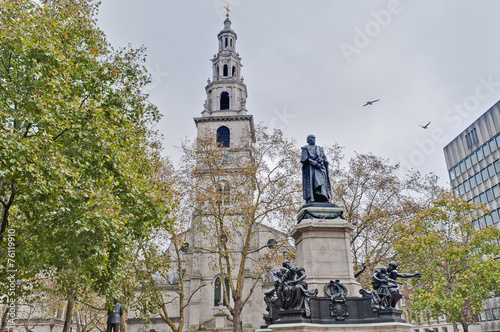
(308, 327)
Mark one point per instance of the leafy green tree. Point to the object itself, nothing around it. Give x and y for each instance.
(456, 261)
(80, 166)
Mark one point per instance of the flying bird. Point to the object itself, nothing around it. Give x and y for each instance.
(370, 102)
(427, 125)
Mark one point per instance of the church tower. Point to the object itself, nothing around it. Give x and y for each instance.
(217, 225)
(224, 112)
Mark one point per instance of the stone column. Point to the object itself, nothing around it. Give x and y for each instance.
(322, 248)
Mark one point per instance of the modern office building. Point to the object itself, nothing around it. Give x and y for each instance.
(473, 162)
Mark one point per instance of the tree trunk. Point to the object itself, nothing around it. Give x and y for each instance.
(69, 314)
(465, 326)
(4, 319)
(123, 322)
(237, 317)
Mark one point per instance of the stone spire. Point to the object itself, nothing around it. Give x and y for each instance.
(226, 92)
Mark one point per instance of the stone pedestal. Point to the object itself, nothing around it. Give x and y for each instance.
(322, 247)
(305, 327)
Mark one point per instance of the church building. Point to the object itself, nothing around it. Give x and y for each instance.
(225, 119)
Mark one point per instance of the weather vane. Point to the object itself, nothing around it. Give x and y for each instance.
(227, 8)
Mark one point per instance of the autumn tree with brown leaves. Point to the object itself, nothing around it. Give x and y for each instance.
(375, 195)
(237, 192)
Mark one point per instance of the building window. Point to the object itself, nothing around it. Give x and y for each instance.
(219, 298)
(468, 163)
(475, 225)
(224, 100)
(476, 199)
(225, 71)
(491, 171)
(479, 154)
(484, 174)
(452, 175)
(496, 314)
(492, 145)
(496, 164)
(462, 167)
(468, 139)
(473, 159)
(460, 189)
(478, 178)
(223, 137)
(496, 191)
(231, 42)
(494, 216)
(489, 316)
(497, 138)
(466, 186)
(475, 140)
(223, 193)
(488, 220)
(185, 247)
(481, 222)
(226, 42)
(271, 243)
(489, 195)
(472, 182)
(486, 150)
(457, 171)
(234, 70)
(482, 198)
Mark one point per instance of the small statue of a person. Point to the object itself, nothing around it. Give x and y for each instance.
(385, 293)
(293, 291)
(114, 317)
(315, 182)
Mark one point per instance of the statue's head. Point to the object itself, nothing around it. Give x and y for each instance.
(311, 139)
(392, 266)
(286, 263)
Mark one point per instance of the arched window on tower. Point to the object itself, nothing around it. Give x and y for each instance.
(219, 298)
(223, 193)
(226, 41)
(223, 137)
(225, 70)
(224, 100)
(234, 70)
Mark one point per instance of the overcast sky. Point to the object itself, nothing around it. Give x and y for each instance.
(309, 67)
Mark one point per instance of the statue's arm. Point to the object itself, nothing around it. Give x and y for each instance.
(306, 158)
(409, 275)
(301, 274)
(304, 155)
(362, 270)
(376, 277)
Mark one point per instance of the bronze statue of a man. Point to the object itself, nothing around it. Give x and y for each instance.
(114, 317)
(315, 182)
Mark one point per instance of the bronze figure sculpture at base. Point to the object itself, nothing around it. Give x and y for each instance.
(385, 294)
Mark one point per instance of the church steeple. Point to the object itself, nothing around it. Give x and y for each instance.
(226, 92)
